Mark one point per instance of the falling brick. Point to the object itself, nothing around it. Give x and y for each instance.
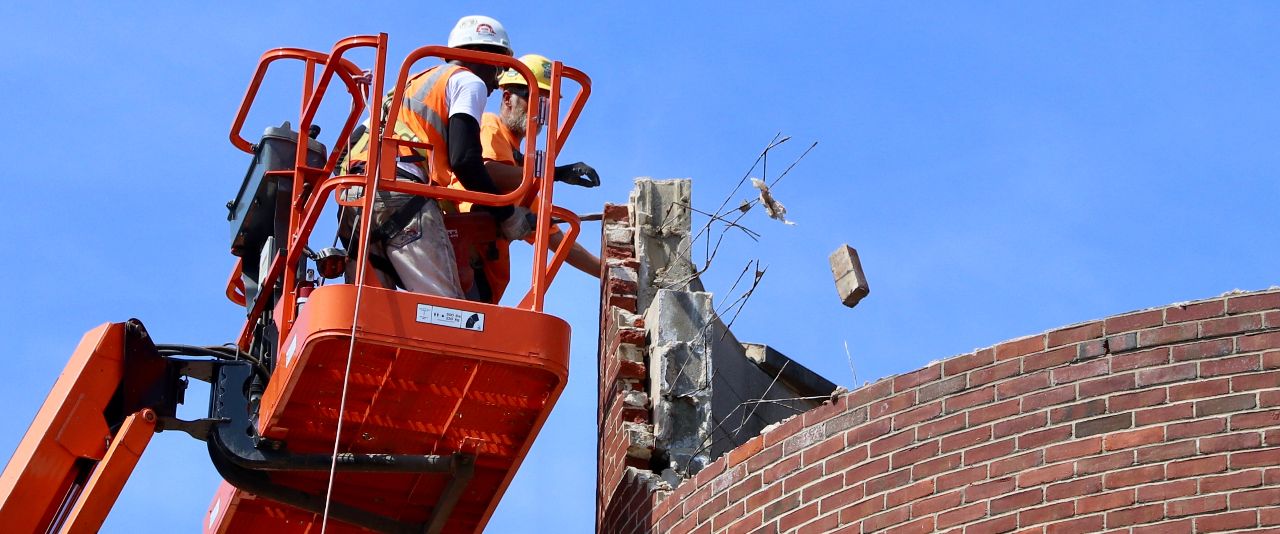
(851, 283)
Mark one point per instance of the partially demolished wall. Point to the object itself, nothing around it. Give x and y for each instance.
(1162, 420)
(678, 390)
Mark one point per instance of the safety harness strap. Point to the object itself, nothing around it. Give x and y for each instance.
(398, 220)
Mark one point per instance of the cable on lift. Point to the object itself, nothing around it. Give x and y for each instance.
(221, 352)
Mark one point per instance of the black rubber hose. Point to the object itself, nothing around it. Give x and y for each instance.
(192, 350)
(218, 352)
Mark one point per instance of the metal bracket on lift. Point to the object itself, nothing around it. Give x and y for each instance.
(199, 429)
(248, 467)
(201, 370)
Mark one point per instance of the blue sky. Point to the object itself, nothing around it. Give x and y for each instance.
(1003, 168)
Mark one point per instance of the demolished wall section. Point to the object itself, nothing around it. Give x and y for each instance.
(661, 224)
(681, 371)
(677, 389)
(1162, 420)
(706, 395)
(624, 482)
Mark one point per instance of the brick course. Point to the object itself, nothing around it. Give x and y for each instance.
(1159, 420)
(625, 427)
(1162, 420)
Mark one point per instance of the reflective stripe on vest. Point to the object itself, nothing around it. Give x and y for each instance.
(417, 104)
(422, 119)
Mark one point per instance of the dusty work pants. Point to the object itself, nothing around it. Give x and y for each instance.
(420, 252)
(418, 249)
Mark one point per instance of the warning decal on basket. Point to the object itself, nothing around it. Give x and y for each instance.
(440, 315)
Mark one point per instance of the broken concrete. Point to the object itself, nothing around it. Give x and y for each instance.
(708, 396)
(640, 442)
(745, 398)
(774, 209)
(681, 367)
(660, 215)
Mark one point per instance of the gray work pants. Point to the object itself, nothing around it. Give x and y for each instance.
(420, 251)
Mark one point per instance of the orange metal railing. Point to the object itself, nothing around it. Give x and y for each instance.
(349, 73)
(312, 187)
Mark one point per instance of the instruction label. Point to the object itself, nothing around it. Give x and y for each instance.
(440, 315)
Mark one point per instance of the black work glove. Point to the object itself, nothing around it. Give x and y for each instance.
(579, 174)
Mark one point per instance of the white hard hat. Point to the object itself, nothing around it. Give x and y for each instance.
(475, 30)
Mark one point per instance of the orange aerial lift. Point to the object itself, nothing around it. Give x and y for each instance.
(367, 408)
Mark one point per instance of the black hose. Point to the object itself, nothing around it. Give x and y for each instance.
(220, 352)
(213, 352)
(192, 350)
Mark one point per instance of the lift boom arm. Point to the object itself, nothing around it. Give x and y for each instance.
(87, 437)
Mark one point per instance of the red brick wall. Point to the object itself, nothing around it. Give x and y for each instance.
(623, 418)
(1164, 420)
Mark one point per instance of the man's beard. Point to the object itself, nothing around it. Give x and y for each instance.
(515, 121)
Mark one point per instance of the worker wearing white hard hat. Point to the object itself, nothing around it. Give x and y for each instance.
(443, 108)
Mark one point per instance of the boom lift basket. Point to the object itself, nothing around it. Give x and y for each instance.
(427, 377)
(452, 392)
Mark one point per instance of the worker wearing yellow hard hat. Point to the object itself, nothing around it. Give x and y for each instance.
(409, 245)
(539, 64)
(500, 138)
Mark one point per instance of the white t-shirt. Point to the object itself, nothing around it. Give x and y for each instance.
(466, 93)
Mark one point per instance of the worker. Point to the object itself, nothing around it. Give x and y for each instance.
(409, 246)
(501, 136)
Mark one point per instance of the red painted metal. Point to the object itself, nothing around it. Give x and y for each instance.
(235, 285)
(562, 250)
(348, 73)
(70, 466)
(104, 485)
(415, 387)
(67, 433)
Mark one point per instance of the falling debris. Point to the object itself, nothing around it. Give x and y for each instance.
(851, 283)
(772, 207)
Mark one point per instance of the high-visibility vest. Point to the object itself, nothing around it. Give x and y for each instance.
(423, 117)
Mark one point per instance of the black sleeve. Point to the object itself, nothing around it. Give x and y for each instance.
(466, 159)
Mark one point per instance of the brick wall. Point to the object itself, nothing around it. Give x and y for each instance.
(624, 424)
(1163, 420)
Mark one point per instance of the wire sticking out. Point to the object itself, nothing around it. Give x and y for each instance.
(729, 217)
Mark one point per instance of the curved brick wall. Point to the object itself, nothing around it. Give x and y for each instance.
(1164, 420)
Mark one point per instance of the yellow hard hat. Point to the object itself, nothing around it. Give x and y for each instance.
(541, 67)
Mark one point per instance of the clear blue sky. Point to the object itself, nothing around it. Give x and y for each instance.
(1003, 168)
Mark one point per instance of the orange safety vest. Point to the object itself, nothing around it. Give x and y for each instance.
(499, 144)
(423, 118)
